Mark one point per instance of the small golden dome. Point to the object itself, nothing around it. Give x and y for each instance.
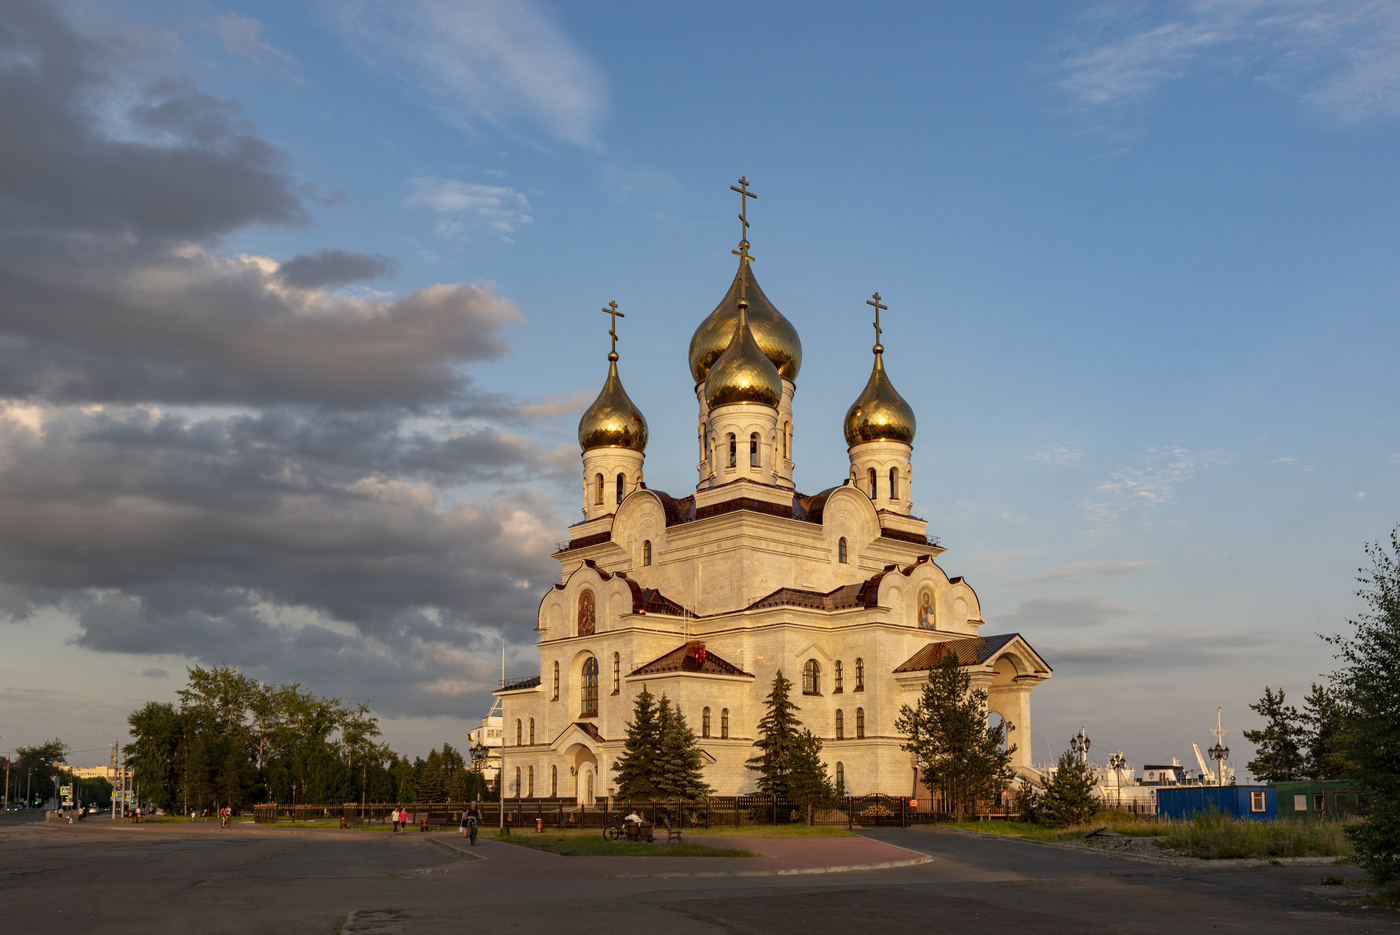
(613, 421)
(879, 412)
(743, 373)
(775, 334)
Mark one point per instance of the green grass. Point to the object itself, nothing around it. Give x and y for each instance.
(1125, 823)
(1215, 836)
(593, 844)
(773, 831)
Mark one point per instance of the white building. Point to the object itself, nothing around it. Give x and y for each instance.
(703, 598)
(484, 746)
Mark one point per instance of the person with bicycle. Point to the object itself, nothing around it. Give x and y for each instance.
(471, 820)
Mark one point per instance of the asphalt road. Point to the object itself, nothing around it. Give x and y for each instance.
(195, 879)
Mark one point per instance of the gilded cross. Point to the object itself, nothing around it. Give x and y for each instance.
(611, 309)
(744, 195)
(875, 301)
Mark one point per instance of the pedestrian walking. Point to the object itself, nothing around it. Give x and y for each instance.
(394, 819)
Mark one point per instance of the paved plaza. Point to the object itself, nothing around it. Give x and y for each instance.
(197, 878)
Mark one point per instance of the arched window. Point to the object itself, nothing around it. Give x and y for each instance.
(841, 555)
(840, 725)
(724, 724)
(894, 483)
(554, 782)
(753, 450)
(530, 777)
(873, 492)
(532, 732)
(860, 675)
(556, 683)
(838, 678)
(620, 482)
(588, 701)
(811, 678)
(598, 498)
(646, 552)
(705, 723)
(517, 782)
(733, 451)
(617, 673)
(840, 778)
(519, 734)
(860, 723)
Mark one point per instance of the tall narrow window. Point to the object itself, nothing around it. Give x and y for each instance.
(733, 451)
(841, 555)
(753, 450)
(840, 725)
(838, 677)
(598, 497)
(860, 675)
(518, 789)
(532, 732)
(588, 700)
(554, 782)
(646, 552)
(530, 774)
(860, 723)
(705, 723)
(519, 733)
(702, 443)
(787, 429)
(811, 678)
(724, 724)
(894, 483)
(619, 488)
(873, 492)
(840, 778)
(556, 682)
(617, 673)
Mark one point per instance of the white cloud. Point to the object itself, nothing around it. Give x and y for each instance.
(1360, 494)
(1064, 455)
(1288, 460)
(498, 208)
(495, 62)
(1394, 460)
(1146, 487)
(242, 36)
(1340, 56)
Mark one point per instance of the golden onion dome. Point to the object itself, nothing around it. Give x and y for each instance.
(879, 412)
(613, 421)
(775, 334)
(743, 373)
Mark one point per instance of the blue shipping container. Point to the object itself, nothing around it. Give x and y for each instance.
(1256, 803)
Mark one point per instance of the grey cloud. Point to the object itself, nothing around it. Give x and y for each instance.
(1060, 612)
(1102, 569)
(334, 268)
(155, 673)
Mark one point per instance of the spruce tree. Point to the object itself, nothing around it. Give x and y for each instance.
(957, 753)
(680, 768)
(1069, 793)
(637, 768)
(777, 739)
(1278, 754)
(809, 784)
(431, 785)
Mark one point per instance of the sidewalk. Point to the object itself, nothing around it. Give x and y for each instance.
(781, 857)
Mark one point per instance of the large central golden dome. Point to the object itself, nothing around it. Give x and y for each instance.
(613, 421)
(879, 412)
(776, 336)
(743, 373)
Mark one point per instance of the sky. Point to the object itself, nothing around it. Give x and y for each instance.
(300, 304)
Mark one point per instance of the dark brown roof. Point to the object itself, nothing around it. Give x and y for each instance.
(690, 657)
(843, 598)
(972, 651)
(589, 728)
(518, 684)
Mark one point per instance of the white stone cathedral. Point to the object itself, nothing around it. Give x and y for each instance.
(703, 598)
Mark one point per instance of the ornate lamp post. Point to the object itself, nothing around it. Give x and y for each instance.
(1079, 743)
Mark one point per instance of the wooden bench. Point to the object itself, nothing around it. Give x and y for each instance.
(672, 834)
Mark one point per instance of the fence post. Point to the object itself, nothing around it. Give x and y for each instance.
(850, 813)
(903, 823)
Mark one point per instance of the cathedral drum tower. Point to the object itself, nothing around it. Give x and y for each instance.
(704, 598)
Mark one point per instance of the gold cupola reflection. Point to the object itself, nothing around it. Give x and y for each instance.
(613, 421)
(743, 373)
(773, 333)
(879, 412)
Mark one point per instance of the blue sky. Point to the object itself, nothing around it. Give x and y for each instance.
(1139, 258)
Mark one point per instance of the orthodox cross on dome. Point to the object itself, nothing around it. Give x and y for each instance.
(744, 195)
(611, 309)
(875, 301)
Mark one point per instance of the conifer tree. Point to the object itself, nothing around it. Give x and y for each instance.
(1069, 793)
(1324, 734)
(637, 769)
(777, 740)
(1278, 754)
(680, 768)
(957, 753)
(809, 784)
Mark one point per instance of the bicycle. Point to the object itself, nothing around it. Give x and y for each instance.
(471, 831)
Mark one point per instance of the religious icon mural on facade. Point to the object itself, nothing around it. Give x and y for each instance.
(926, 607)
(587, 614)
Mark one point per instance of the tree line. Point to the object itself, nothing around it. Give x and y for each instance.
(232, 740)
